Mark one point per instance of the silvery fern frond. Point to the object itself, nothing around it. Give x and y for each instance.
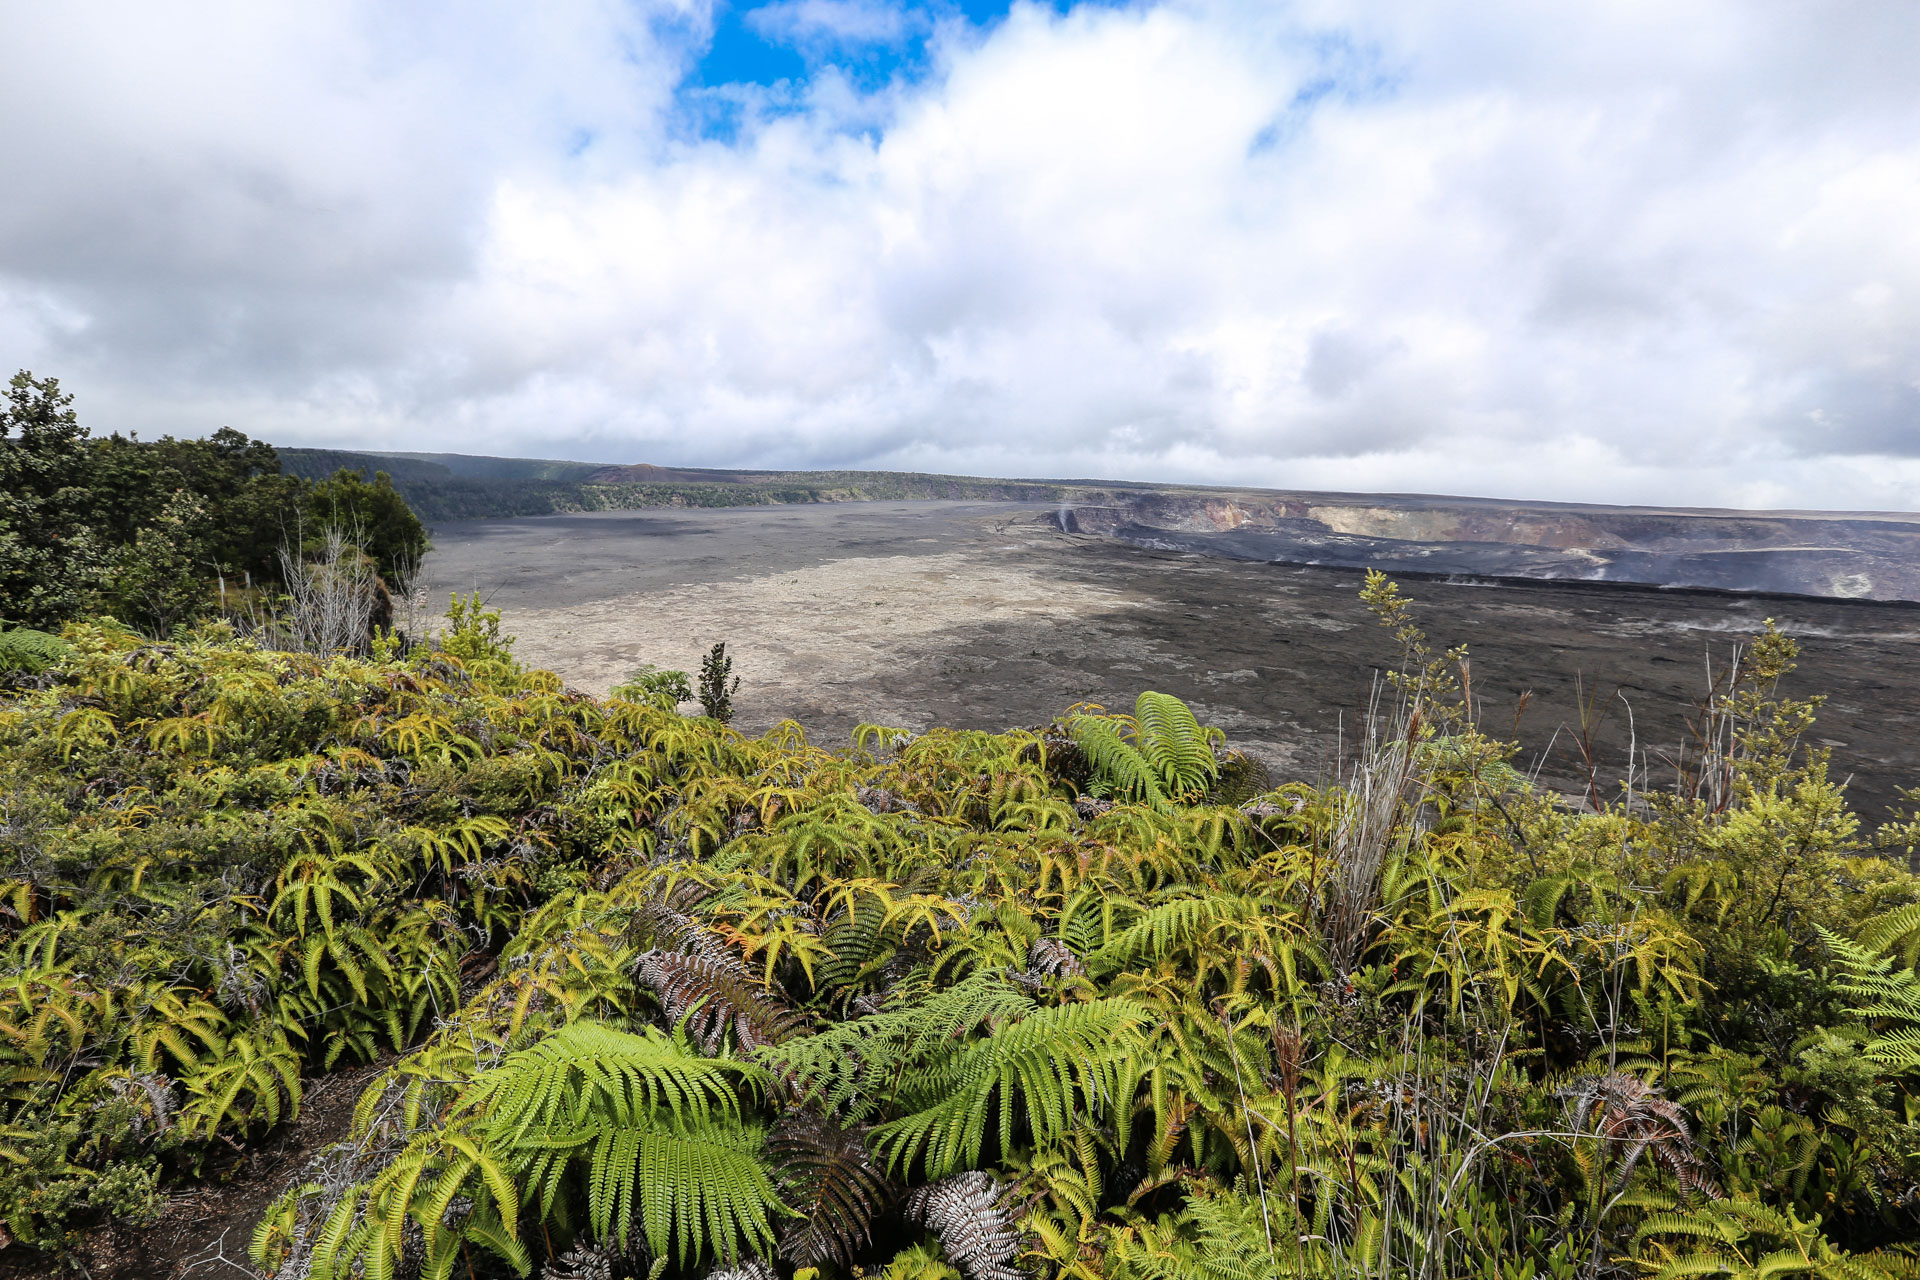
(970, 1215)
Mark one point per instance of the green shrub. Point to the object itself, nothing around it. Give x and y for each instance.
(718, 684)
(651, 684)
(638, 984)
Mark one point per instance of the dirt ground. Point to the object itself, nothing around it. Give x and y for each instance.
(203, 1233)
(985, 615)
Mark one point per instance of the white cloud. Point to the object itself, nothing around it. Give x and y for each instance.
(1618, 253)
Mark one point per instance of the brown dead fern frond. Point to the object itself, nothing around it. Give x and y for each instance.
(1627, 1115)
(716, 995)
(829, 1178)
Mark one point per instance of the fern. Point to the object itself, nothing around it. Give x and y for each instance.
(588, 1067)
(649, 1122)
(862, 936)
(1173, 742)
(968, 1213)
(365, 1234)
(851, 1068)
(920, 1262)
(1890, 992)
(1119, 768)
(1899, 927)
(255, 1079)
(1157, 757)
(712, 997)
(1242, 779)
(1086, 1028)
(23, 649)
(1162, 928)
(1051, 1068)
(1745, 1240)
(1222, 1234)
(828, 1178)
(701, 1190)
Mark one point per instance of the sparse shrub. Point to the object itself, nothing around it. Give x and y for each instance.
(716, 691)
(332, 597)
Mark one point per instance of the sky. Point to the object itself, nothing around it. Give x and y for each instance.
(1611, 252)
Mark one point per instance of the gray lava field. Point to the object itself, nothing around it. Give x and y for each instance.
(991, 614)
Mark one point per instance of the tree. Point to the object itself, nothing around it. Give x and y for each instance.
(375, 517)
(142, 528)
(248, 500)
(158, 578)
(49, 553)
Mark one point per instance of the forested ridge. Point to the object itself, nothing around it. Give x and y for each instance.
(445, 487)
(1095, 998)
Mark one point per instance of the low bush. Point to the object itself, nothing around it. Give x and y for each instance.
(670, 1000)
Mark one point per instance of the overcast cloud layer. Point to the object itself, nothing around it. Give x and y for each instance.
(1612, 252)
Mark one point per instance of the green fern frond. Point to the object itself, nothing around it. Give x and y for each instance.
(1885, 989)
(1119, 768)
(24, 649)
(590, 1068)
(697, 1190)
(1051, 1068)
(1692, 1226)
(651, 1134)
(1173, 742)
(851, 1068)
(1897, 928)
(1705, 1263)
(1163, 928)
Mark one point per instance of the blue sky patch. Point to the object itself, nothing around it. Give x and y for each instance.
(871, 42)
(740, 55)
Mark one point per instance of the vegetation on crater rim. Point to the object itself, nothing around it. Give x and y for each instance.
(1094, 999)
(149, 530)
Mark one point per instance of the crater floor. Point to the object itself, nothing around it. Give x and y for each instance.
(986, 615)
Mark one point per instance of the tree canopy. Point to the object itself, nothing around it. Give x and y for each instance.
(50, 552)
(151, 531)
